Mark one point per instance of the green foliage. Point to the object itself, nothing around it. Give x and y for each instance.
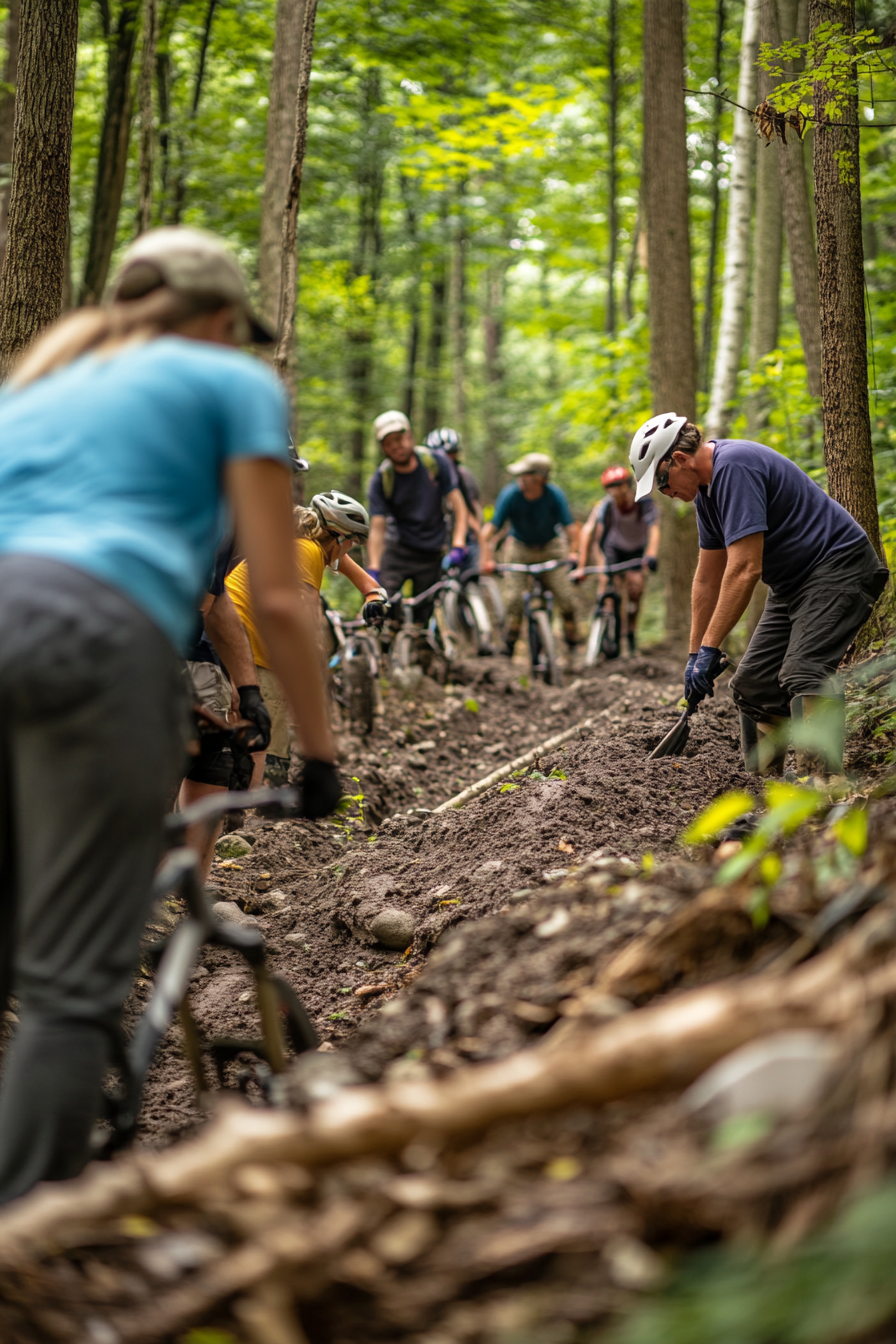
(788, 806)
(852, 831)
(720, 813)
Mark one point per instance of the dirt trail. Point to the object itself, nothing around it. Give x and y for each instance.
(314, 888)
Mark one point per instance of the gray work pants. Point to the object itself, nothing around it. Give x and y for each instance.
(91, 743)
(802, 637)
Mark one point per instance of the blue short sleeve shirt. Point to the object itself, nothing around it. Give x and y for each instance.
(116, 466)
(754, 489)
(534, 522)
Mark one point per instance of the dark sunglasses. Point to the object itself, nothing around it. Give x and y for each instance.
(662, 477)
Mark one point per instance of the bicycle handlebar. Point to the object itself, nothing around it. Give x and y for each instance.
(542, 567)
(421, 597)
(613, 569)
(215, 806)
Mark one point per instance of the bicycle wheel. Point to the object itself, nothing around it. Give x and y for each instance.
(550, 662)
(403, 649)
(298, 1025)
(491, 592)
(452, 613)
(360, 689)
(595, 638)
(611, 643)
(477, 620)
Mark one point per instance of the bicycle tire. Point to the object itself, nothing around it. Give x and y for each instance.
(403, 649)
(479, 623)
(360, 691)
(299, 1028)
(491, 592)
(451, 613)
(553, 676)
(596, 632)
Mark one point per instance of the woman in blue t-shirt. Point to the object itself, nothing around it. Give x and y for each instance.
(127, 431)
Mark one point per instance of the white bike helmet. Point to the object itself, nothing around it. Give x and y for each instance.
(342, 514)
(650, 445)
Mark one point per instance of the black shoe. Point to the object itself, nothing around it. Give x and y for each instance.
(631, 642)
(510, 645)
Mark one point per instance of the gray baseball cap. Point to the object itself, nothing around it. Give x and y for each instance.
(190, 261)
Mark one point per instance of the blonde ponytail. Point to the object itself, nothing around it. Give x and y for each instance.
(308, 523)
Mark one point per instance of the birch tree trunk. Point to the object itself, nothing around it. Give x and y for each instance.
(113, 154)
(841, 280)
(736, 277)
(8, 113)
(34, 265)
(278, 148)
(709, 295)
(673, 355)
(147, 134)
(289, 261)
(798, 227)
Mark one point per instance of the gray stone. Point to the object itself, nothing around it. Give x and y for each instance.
(231, 911)
(233, 846)
(393, 928)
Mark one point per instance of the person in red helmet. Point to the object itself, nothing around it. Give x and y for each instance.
(623, 530)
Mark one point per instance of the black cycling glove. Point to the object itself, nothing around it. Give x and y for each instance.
(373, 612)
(320, 789)
(253, 708)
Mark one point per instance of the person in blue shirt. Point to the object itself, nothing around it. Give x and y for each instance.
(407, 496)
(759, 516)
(537, 515)
(131, 432)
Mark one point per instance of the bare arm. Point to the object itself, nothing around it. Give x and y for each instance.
(228, 635)
(455, 501)
(259, 492)
(376, 541)
(489, 538)
(653, 542)
(742, 572)
(358, 576)
(705, 593)
(588, 533)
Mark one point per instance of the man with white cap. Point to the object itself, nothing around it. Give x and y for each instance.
(760, 516)
(408, 494)
(538, 517)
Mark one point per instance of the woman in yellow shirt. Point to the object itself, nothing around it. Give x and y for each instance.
(325, 533)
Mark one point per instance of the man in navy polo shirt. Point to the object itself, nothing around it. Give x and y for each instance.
(759, 516)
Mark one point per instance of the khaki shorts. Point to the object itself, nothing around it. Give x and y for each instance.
(281, 728)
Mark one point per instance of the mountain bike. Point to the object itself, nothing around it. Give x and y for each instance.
(430, 646)
(466, 611)
(284, 1021)
(538, 608)
(355, 666)
(605, 630)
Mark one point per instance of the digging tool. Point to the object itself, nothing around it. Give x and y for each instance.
(675, 741)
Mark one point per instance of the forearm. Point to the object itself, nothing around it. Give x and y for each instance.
(228, 635)
(356, 575)
(288, 623)
(455, 501)
(704, 596)
(734, 598)
(585, 541)
(653, 542)
(376, 541)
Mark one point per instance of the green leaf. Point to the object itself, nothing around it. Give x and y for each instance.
(790, 805)
(852, 831)
(508, 788)
(557, 774)
(759, 908)
(472, 706)
(720, 813)
(770, 867)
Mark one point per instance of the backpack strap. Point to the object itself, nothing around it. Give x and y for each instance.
(387, 470)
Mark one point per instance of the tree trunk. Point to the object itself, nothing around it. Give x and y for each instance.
(278, 148)
(841, 280)
(438, 312)
(612, 136)
(632, 266)
(673, 360)
(289, 260)
(167, 17)
(34, 265)
(768, 240)
(492, 339)
(179, 193)
(735, 282)
(147, 134)
(797, 213)
(113, 153)
(709, 293)
(459, 320)
(7, 113)
(412, 341)
(368, 250)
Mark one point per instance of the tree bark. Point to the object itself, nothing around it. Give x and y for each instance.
(768, 247)
(459, 320)
(673, 360)
(289, 260)
(632, 266)
(798, 225)
(278, 148)
(7, 114)
(492, 340)
(167, 17)
(147, 133)
(179, 192)
(33, 273)
(709, 293)
(841, 279)
(612, 176)
(736, 278)
(368, 250)
(438, 312)
(113, 152)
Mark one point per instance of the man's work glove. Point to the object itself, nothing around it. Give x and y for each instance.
(650, 563)
(253, 708)
(708, 663)
(688, 674)
(456, 556)
(320, 789)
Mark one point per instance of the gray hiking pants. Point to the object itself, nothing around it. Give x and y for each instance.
(423, 568)
(91, 744)
(802, 637)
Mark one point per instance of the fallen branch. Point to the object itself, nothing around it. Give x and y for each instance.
(664, 1046)
(549, 744)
